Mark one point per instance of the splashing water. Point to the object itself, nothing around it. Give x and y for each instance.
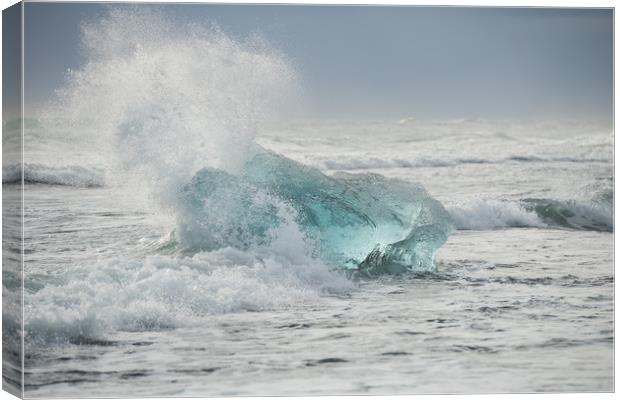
(175, 99)
(172, 110)
(168, 111)
(171, 97)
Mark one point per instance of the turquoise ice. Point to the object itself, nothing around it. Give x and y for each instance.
(354, 221)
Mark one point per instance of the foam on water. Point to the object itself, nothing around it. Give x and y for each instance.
(164, 292)
(594, 213)
(493, 214)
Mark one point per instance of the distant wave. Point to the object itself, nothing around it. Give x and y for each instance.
(552, 159)
(355, 163)
(573, 214)
(493, 214)
(536, 213)
(72, 175)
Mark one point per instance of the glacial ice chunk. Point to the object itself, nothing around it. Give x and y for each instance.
(355, 221)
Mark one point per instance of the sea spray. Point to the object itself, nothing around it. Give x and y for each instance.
(180, 103)
(163, 99)
(171, 96)
(174, 107)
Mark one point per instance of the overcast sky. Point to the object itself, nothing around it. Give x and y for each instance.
(391, 62)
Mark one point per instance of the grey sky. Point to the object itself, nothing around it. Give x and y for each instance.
(391, 62)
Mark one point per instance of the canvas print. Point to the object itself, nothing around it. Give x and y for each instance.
(249, 200)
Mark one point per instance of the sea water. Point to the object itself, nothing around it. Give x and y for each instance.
(178, 243)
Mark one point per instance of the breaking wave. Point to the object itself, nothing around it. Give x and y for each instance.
(350, 163)
(573, 214)
(166, 292)
(493, 214)
(74, 175)
(537, 213)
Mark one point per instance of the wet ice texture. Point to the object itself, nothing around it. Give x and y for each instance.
(356, 221)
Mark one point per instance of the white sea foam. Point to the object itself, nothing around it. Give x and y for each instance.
(162, 292)
(583, 214)
(493, 214)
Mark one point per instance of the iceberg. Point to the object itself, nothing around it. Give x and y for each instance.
(364, 222)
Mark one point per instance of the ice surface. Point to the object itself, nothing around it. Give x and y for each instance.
(354, 221)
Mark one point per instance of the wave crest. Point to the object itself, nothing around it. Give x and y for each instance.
(592, 215)
(164, 292)
(493, 214)
(349, 163)
(73, 175)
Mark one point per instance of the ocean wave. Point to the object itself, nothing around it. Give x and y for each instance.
(535, 159)
(573, 214)
(354, 163)
(73, 175)
(535, 213)
(167, 292)
(349, 163)
(493, 214)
